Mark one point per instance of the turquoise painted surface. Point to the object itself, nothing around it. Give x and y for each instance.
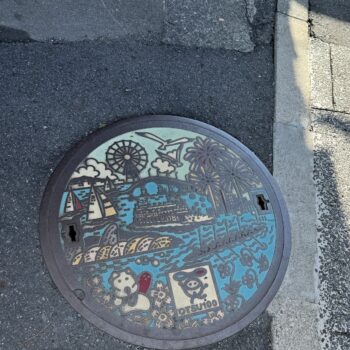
(238, 266)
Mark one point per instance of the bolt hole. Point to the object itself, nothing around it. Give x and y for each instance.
(79, 293)
(262, 202)
(72, 233)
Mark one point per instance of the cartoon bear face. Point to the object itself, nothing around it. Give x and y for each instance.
(193, 284)
(123, 283)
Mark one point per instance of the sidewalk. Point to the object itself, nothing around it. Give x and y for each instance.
(312, 125)
(295, 308)
(330, 77)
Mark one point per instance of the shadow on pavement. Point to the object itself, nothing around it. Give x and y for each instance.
(57, 93)
(331, 178)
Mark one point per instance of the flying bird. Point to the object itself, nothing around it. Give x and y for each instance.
(164, 143)
(173, 157)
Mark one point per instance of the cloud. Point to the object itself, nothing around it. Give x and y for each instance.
(93, 168)
(163, 166)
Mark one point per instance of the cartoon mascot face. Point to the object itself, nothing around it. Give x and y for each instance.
(191, 283)
(124, 283)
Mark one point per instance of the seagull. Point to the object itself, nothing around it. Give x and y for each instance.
(164, 143)
(173, 157)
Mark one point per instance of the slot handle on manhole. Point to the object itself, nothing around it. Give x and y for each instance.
(170, 233)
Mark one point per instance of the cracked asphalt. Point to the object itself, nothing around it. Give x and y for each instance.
(68, 68)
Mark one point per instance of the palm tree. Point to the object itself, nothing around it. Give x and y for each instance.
(207, 182)
(217, 171)
(204, 157)
(204, 154)
(236, 176)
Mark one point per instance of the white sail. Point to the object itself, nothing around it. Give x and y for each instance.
(108, 184)
(107, 206)
(95, 210)
(69, 207)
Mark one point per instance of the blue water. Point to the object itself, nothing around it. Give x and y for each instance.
(160, 263)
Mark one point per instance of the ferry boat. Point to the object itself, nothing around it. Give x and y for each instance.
(173, 213)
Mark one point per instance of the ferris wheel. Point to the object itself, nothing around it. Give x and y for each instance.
(127, 158)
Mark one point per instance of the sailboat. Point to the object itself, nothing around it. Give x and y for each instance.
(108, 185)
(100, 208)
(72, 204)
(70, 219)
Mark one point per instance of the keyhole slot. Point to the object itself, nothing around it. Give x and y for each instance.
(262, 202)
(72, 233)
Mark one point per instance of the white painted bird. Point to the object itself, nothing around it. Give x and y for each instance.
(164, 143)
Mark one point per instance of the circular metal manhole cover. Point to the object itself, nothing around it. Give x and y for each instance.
(165, 232)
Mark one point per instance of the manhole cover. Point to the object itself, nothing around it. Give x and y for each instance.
(165, 232)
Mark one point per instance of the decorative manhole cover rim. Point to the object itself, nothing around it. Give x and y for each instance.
(68, 285)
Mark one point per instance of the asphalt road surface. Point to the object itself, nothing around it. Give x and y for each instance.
(67, 70)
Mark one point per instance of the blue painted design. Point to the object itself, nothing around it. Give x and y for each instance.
(175, 215)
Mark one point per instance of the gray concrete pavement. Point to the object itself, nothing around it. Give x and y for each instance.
(321, 75)
(228, 24)
(332, 148)
(53, 92)
(192, 24)
(294, 311)
(298, 9)
(340, 77)
(330, 21)
(80, 20)
(330, 101)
